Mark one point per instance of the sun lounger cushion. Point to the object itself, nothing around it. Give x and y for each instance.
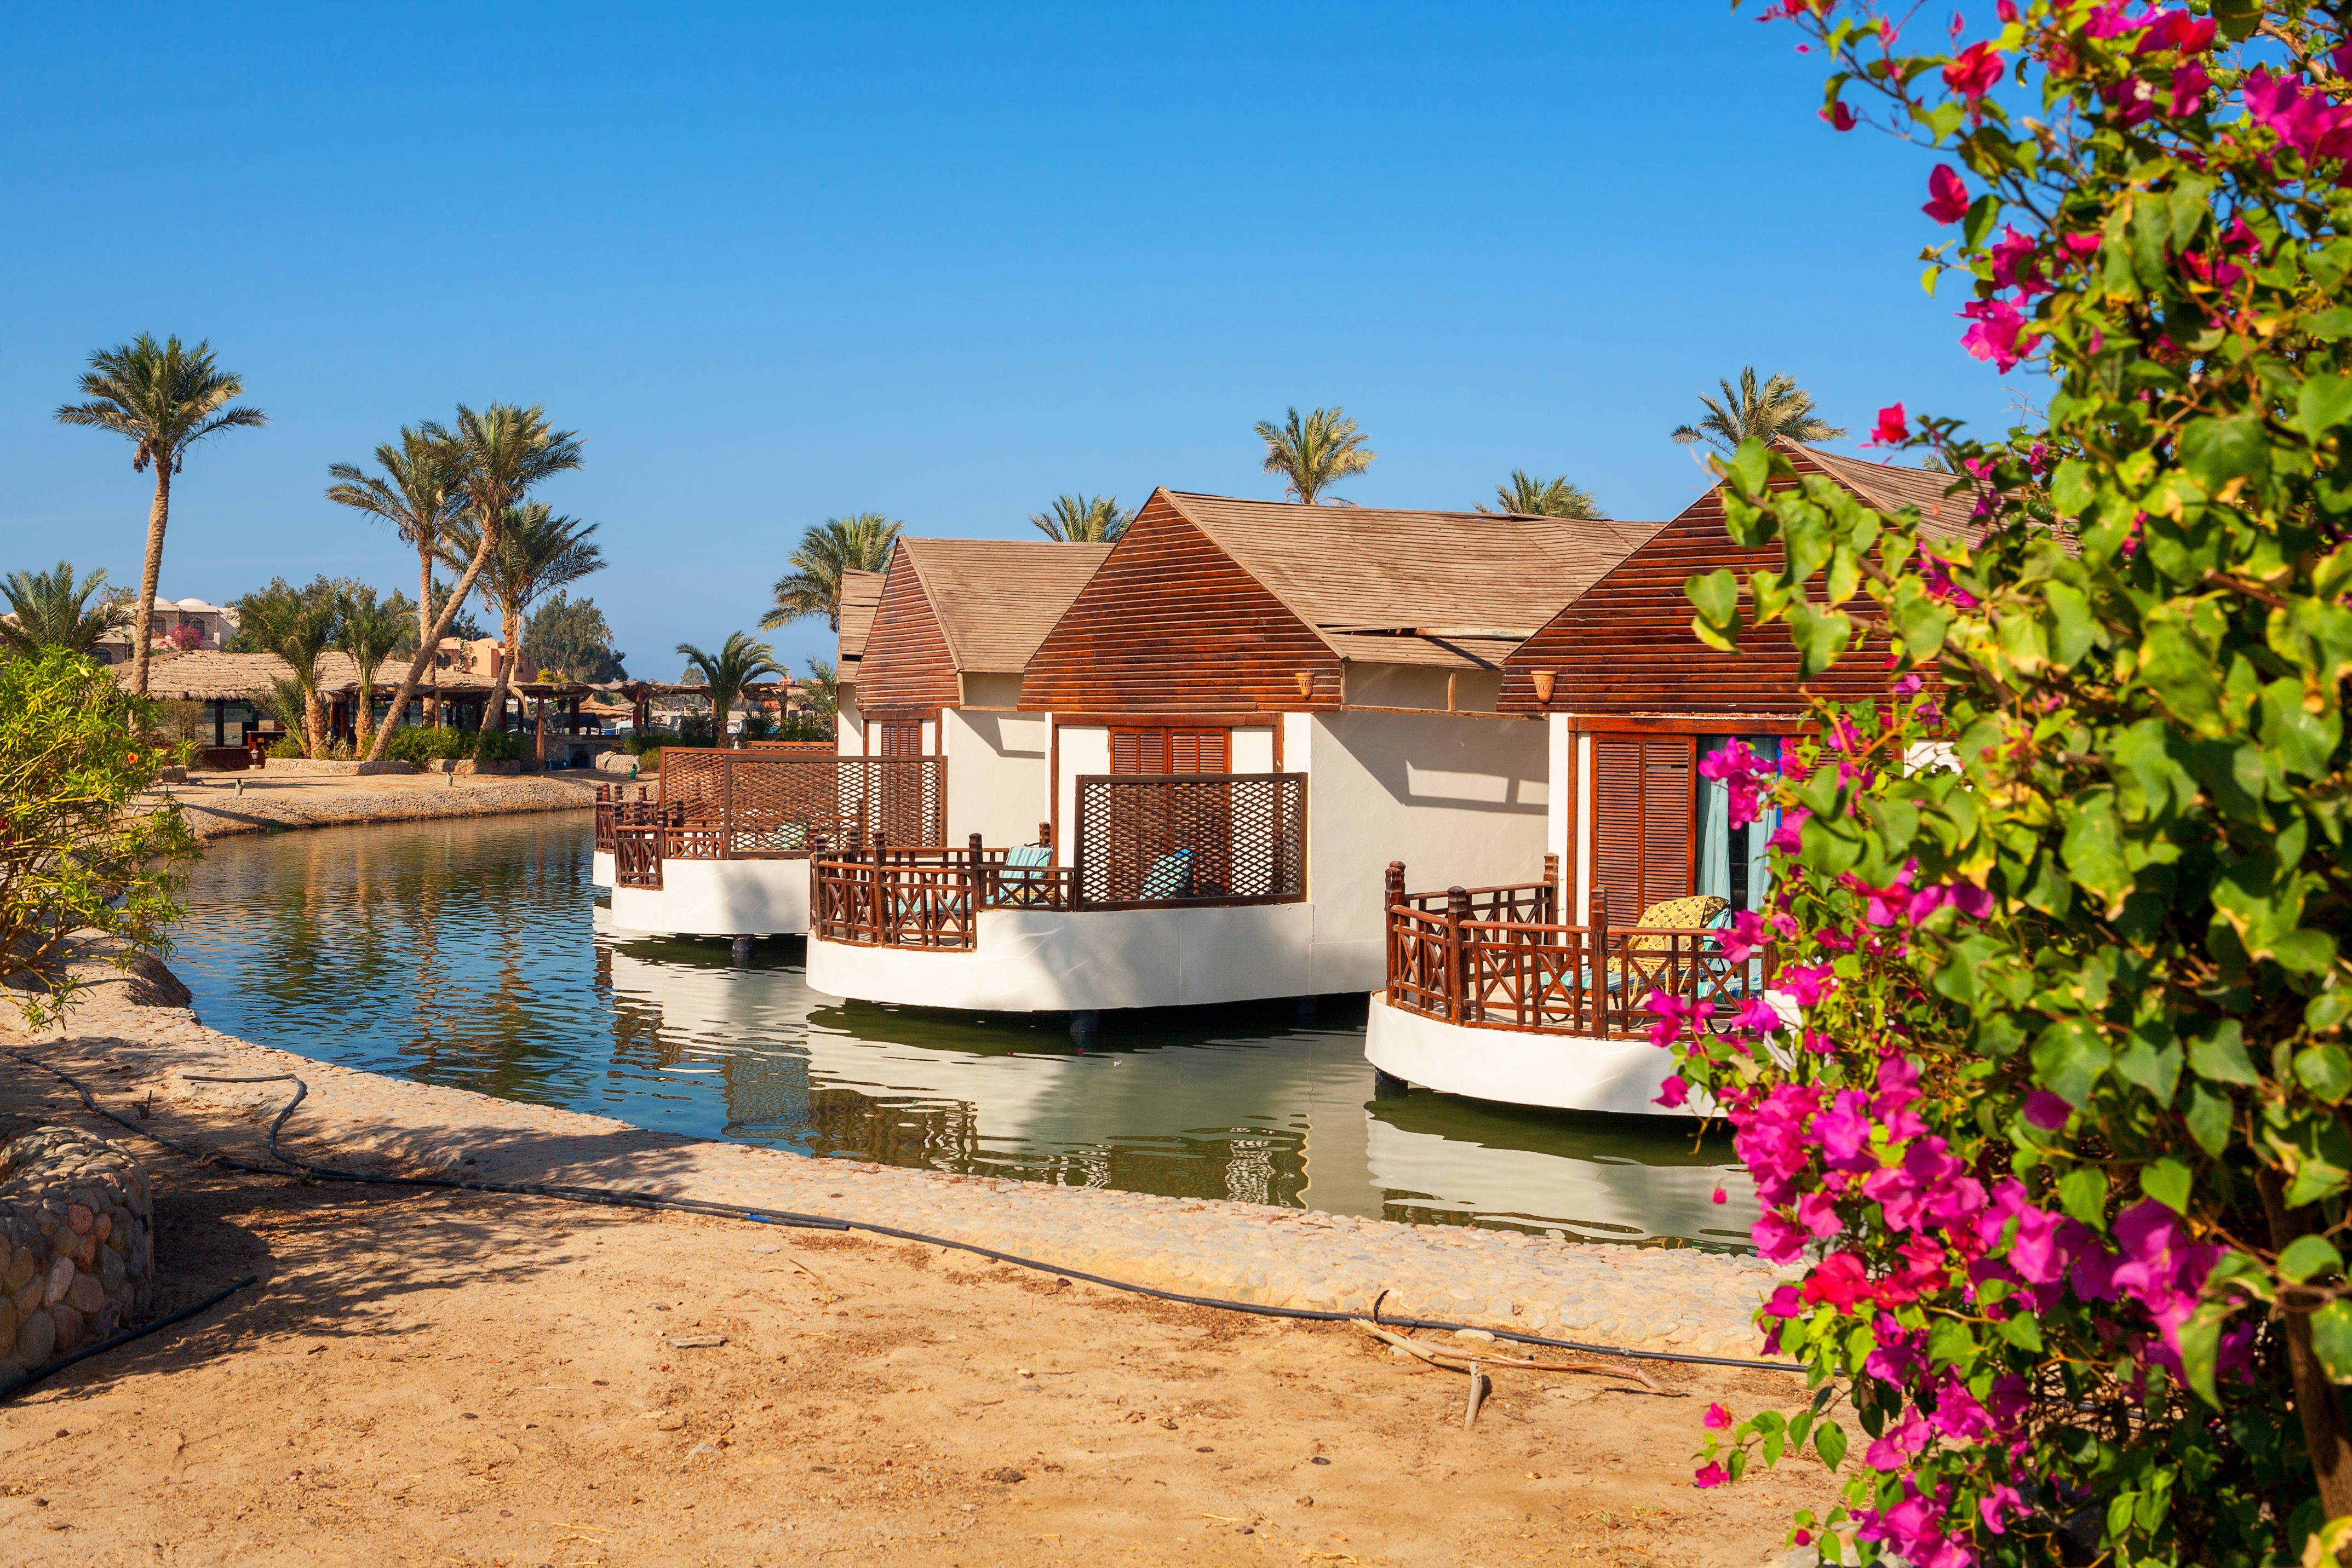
(1171, 875)
(1028, 857)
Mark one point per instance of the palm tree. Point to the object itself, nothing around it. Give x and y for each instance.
(825, 689)
(371, 631)
(1315, 454)
(298, 625)
(1779, 408)
(417, 495)
(862, 543)
(738, 661)
(164, 398)
(53, 610)
(1083, 519)
(1524, 495)
(498, 455)
(537, 553)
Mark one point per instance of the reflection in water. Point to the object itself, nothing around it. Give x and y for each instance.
(466, 954)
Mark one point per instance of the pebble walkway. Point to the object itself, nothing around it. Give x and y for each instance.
(1631, 1297)
(214, 810)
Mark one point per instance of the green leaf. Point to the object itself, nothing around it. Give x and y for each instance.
(2167, 1181)
(2310, 1257)
(2325, 1071)
(2216, 450)
(2331, 1339)
(1715, 596)
(2209, 1119)
(2238, 18)
(2324, 405)
(2069, 1058)
(1950, 1343)
(2020, 1330)
(2200, 1346)
(1829, 1442)
(1750, 467)
(2221, 1056)
(2084, 1194)
(2328, 325)
(2328, 1010)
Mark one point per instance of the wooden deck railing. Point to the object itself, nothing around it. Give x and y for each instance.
(892, 896)
(1473, 956)
(614, 807)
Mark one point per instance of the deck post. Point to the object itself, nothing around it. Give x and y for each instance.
(1547, 902)
(881, 860)
(1457, 989)
(1599, 936)
(972, 885)
(1391, 894)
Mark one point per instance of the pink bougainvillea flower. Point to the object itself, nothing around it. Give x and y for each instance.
(2000, 1505)
(2307, 120)
(1818, 1215)
(1717, 1417)
(2047, 1111)
(1720, 1196)
(1838, 1281)
(1673, 1092)
(1899, 1443)
(1994, 326)
(1892, 427)
(1709, 1474)
(1776, 1238)
(1840, 117)
(1947, 198)
(1974, 72)
(2190, 80)
(2178, 30)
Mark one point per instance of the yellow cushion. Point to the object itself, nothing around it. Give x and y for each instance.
(1694, 913)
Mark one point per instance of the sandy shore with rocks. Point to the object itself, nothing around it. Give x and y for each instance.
(475, 1379)
(272, 802)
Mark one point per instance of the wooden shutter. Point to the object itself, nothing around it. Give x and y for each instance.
(899, 739)
(1644, 830)
(1171, 750)
(1199, 750)
(1669, 827)
(1617, 826)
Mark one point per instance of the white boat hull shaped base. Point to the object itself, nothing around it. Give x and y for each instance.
(1560, 1072)
(719, 898)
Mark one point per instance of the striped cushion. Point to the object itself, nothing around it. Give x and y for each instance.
(1170, 876)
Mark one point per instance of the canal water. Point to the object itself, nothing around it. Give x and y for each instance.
(468, 954)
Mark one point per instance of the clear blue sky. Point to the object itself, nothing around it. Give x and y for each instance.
(776, 264)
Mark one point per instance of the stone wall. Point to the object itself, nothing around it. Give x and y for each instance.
(77, 1244)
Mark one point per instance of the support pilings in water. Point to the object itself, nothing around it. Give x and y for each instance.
(741, 949)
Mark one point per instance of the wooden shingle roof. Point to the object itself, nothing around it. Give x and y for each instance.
(996, 598)
(861, 591)
(1890, 488)
(1383, 585)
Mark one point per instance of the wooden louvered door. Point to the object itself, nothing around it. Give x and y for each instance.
(897, 791)
(1644, 822)
(1145, 832)
(897, 738)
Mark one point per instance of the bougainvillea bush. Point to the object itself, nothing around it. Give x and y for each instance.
(82, 856)
(2050, 1108)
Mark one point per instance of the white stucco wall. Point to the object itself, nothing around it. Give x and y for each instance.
(1457, 799)
(848, 727)
(600, 868)
(996, 776)
(1566, 1072)
(719, 898)
(1041, 960)
(1253, 750)
(1085, 748)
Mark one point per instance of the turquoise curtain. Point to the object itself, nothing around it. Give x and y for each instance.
(1713, 829)
(1760, 833)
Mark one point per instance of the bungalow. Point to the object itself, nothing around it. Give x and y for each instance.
(1640, 862)
(1243, 705)
(932, 748)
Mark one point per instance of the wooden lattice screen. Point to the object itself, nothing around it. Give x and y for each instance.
(1209, 838)
(739, 805)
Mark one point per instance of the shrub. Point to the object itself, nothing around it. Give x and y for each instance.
(288, 746)
(422, 746)
(2053, 1099)
(500, 746)
(79, 854)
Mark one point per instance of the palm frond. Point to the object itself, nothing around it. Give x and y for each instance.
(1079, 518)
(53, 610)
(839, 546)
(1524, 495)
(1774, 409)
(1315, 453)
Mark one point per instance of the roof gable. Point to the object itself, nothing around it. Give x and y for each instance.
(1171, 623)
(861, 593)
(907, 663)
